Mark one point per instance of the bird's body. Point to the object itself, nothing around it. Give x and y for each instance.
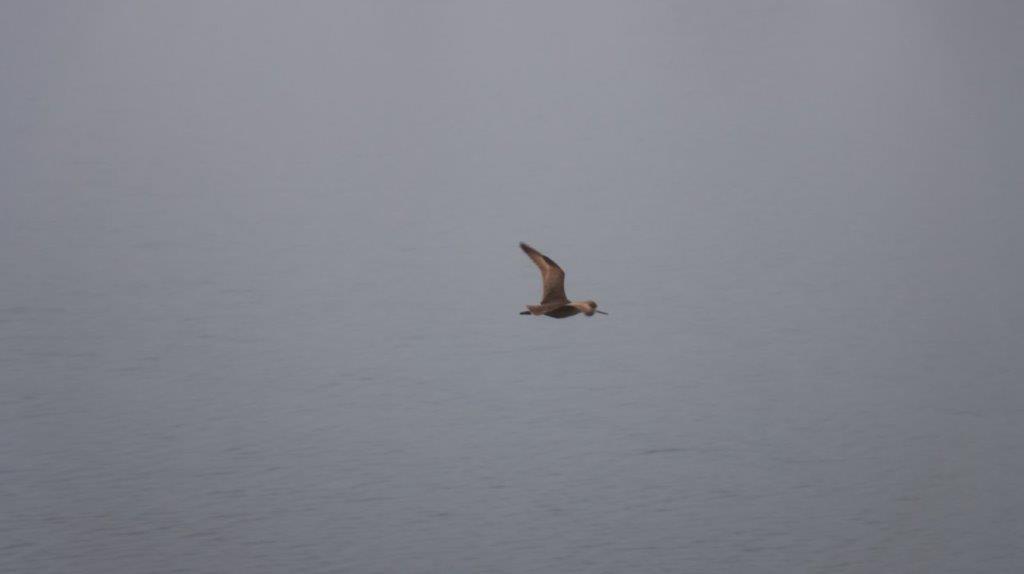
(553, 302)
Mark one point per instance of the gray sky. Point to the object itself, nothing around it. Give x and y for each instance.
(696, 132)
(858, 154)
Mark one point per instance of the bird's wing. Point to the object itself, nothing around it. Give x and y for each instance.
(550, 273)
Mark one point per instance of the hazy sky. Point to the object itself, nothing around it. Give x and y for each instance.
(702, 132)
(867, 151)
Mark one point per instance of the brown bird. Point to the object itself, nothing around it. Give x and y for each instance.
(554, 303)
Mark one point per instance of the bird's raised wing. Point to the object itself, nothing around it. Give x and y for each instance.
(550, 273)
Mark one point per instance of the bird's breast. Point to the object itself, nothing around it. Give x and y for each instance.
(562, 312)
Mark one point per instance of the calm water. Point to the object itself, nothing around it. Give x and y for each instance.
(212, 407)
(259, 306)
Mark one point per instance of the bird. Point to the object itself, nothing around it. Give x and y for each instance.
(553, 302)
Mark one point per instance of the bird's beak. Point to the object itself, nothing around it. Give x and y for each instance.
(601, 312)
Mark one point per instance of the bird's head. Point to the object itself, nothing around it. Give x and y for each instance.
(592, 308)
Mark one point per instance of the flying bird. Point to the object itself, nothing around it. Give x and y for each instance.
(553, 302)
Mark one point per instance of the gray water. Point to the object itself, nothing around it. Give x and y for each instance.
(260, 291)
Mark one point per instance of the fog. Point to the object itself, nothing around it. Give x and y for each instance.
(261, 285)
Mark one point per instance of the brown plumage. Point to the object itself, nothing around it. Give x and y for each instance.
(553, 301)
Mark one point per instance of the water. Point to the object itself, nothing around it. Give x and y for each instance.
(247, 329)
